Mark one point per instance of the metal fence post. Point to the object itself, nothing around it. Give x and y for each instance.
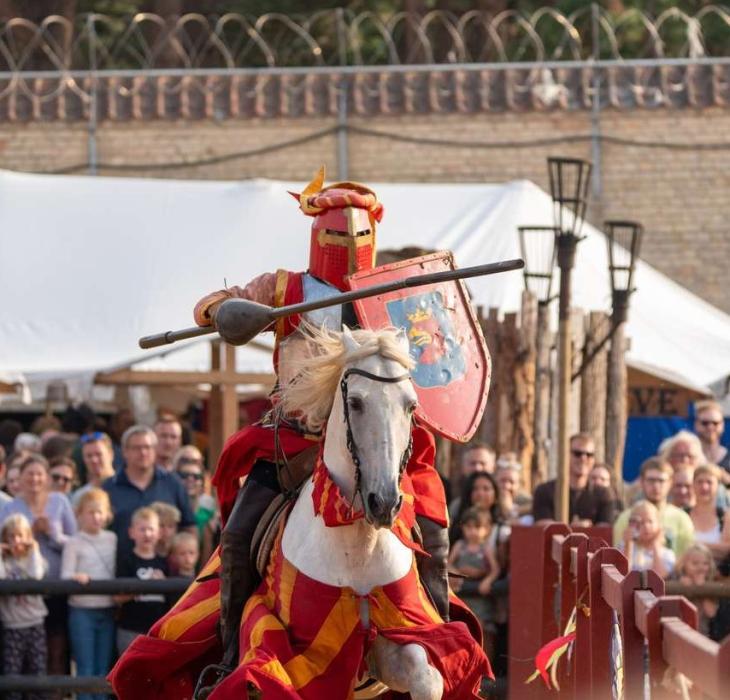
(93, 158)
(342, 141)
(596, 103)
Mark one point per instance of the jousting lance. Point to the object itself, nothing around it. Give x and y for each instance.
(244, 319)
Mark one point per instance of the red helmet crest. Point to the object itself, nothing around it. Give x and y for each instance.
(343, 230)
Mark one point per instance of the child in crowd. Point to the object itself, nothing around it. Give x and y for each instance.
(474, 559)
(695, 567)
(643, 541)
(24, 648)
(169, 517)
(184, 555)
(88, 555)
(139, 613)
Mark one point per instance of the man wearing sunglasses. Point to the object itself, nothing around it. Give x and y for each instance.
(709, 426)
(589, 505)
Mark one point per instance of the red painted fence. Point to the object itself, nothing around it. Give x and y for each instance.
(553, 568)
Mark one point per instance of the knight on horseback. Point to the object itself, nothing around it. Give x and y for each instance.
(334, 537)
(343, 240)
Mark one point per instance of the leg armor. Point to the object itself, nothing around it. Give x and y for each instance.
(433, 570)
(239, 577)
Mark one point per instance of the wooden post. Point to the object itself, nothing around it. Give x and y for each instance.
(507, 410)
(229, 418)
(533, 582)
(633, 639)
(215, 408)
(524, 388)
(490, 328)
(593, 384)
(223, 413)
(565, 369)
(616, 398)
(601, 621)
(544, 341)
(578, 339)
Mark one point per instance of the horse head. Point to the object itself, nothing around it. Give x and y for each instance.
(375, 407)
(357, 383)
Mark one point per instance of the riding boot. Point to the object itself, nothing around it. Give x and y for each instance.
(239, 577)
(433, 570)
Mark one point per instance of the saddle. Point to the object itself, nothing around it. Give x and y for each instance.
(292, 476)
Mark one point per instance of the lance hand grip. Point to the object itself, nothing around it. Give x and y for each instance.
(242, 320)
(169, 337)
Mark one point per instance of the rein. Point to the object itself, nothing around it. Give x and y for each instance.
(351, 446)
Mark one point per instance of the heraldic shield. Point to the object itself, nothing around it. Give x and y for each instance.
(453, 368)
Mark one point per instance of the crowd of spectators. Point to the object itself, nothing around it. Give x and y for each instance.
(87, 506)
(674, 519)
(135, 501)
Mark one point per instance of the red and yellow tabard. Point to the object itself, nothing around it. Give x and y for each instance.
(306, 640)
(297, 631)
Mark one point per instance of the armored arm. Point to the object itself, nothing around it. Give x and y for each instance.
(261, 289)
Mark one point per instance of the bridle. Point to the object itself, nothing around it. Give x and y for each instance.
(351, 446)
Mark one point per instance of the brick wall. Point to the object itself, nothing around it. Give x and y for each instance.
(680, 195)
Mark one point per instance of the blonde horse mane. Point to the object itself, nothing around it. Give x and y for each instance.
(311, 394)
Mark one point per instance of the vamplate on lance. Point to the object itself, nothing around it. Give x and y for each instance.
(453, 367)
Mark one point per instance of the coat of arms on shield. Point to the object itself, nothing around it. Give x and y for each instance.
(452, 371)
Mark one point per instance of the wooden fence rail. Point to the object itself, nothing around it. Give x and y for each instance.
(555, 570)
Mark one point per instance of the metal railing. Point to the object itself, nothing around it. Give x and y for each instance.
(87, 684)
(174, 586)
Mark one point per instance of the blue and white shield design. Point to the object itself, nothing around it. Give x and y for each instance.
(439, 358)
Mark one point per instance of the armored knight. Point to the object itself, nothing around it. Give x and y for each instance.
(342, 243)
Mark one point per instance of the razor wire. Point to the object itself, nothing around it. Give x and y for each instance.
(278, 64)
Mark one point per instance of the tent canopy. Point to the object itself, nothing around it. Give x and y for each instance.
(90, 264)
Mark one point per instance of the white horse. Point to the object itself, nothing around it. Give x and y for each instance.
(370, 372)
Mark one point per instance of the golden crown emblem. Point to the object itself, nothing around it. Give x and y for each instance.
(419, 315)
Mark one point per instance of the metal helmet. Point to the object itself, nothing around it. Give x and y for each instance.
(343, 230)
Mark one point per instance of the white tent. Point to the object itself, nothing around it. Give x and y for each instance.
(87, 265)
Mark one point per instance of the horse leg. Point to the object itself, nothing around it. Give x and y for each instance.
(405, 669)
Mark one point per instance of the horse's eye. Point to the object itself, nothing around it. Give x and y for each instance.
(355, 404)
(410, 408)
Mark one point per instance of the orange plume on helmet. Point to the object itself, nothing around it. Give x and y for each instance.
(315, 198)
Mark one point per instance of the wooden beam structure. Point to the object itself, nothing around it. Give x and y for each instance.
(223, 379)
(183, 378)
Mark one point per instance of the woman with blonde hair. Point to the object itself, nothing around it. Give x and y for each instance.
(712, 524)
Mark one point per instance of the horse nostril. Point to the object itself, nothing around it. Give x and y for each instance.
(375, 504)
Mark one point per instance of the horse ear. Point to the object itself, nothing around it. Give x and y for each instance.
(348, 340)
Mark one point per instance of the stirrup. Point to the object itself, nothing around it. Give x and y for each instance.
(216, 672)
